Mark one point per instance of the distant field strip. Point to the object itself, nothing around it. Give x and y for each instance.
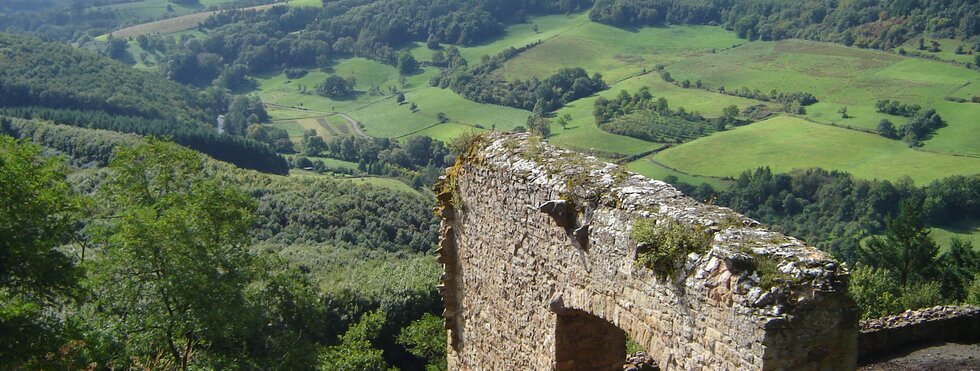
(788, 143)
(172, 25)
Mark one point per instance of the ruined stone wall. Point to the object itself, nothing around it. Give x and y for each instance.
(749, 299)
(886, 335)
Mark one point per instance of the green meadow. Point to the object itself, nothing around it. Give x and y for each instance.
(787, 143)
(845, 77)
(387, 183)
(583, 134)
(968, 230)
(380, 114)
(616, 53)
(838, 76)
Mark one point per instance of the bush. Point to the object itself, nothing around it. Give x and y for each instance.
(662, 246)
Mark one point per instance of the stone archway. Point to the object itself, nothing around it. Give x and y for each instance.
(537, 242)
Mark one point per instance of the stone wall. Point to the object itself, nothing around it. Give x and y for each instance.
(533, 236)
(882, 336)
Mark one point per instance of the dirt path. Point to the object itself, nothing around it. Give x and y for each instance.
(947, 356)
(356, 126)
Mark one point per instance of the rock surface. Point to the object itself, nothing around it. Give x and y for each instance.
(528, 286)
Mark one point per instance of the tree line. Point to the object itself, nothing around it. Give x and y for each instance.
(792, 102)
(260, 41)
(642, 116)
(481, 84)
(919, 127)
(240, 151)
(878, 24)
(418, 161)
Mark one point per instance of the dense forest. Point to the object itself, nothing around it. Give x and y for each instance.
(47, 74)
(864, 23)
(58, 83)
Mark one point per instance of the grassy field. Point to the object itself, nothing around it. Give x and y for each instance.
(787, 143)
(326, 127)
(846, 77)
(381, 115)
(968, 230)
(616, 53)
(147, 9)
(583, 134)
(947, 49)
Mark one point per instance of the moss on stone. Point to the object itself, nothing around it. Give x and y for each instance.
(663, 247)
(767, 268)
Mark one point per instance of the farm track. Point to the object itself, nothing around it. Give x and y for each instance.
(351, 123)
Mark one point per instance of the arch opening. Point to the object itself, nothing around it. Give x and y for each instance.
(586, 342)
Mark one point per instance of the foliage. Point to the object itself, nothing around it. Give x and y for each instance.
(973, 291)
(426, 338)
(243, 112)
(37, 73)
(334, 212)
(236, 150)
(921, 126)
(355, 351)
(663, 246)
(407, 63)
(36, 217)
(69, 86)
(335, 87)
(876, 24)
(174, 268)
(419, 159)
(893, 107)
(906, 248)
(887, 129)
(957, 266)
(833, 210)
(641, 116)
(480, 84)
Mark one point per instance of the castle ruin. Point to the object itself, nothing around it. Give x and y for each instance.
(552, 259)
